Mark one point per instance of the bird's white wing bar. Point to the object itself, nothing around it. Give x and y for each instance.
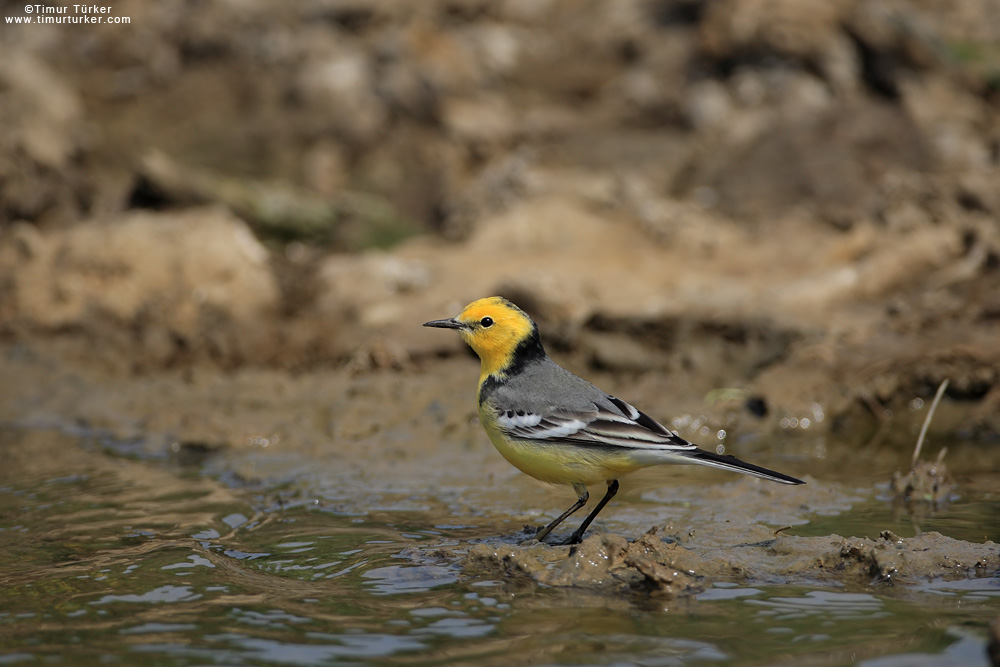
(512, 419)
(528, 426)
(600, 427)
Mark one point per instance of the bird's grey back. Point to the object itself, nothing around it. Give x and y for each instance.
(541, 384)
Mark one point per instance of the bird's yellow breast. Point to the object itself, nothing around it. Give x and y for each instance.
(557, 463)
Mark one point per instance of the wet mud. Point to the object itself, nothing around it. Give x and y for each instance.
(674, 567)
(400, 444)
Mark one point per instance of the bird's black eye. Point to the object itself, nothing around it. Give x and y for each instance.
(487, 322)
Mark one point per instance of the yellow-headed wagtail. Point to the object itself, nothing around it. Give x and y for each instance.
(558, 427)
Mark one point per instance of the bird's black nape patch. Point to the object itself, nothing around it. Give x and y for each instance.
(528, 350)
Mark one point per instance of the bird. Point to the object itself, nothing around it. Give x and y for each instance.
(559, 428)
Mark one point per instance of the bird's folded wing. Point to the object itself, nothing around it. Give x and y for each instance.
(619, 426)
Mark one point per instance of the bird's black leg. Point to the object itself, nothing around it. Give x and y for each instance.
(584, 496)
(577, 537)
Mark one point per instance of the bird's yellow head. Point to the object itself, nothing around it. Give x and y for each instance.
(497, 330)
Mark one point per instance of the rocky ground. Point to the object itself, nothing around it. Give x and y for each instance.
(221, 224)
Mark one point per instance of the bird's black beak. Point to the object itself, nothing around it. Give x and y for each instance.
(450, 323)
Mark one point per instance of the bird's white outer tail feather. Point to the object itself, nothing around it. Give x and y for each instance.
(727, 462)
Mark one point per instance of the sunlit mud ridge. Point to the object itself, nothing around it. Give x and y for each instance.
(755, 556)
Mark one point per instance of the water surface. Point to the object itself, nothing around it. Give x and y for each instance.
(106, 557)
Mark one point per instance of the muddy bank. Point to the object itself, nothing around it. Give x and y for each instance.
(790, 207)
(685, 566)
(409, 440)
(675, 540)
(757, 343)
(741, 531)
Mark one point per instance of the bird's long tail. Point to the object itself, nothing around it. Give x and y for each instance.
(729, 462)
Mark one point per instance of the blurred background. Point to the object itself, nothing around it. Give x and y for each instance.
(796, 197)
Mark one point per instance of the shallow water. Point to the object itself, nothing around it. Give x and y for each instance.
(106, 556)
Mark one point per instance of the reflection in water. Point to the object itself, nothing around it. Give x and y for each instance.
(403, 579)
(236, 648)
(110, 559)
(161, 594)
(838, 606)
(965, 651)
(982, 588)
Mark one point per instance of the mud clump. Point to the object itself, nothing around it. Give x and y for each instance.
(602, 561)
(668, 568)
(652, 565)
(156, 288)
(893, 558)
(927, 482)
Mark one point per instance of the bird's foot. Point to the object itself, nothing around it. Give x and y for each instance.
(571, 540)
(536, 534)
(530, 534)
